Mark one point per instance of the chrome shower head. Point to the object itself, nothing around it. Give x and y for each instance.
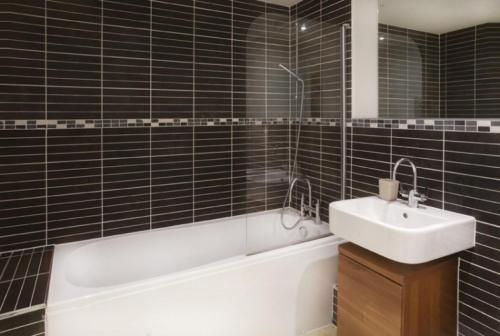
(293, 74)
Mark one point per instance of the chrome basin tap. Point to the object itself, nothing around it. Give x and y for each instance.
(413, 196)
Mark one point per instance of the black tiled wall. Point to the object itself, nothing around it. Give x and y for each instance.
(139, 59)
(73, 58)
(28, 324)
(74, 185)
(470, 71)
(462, 172)
(23, 78)
(103, 59)
(23, 202)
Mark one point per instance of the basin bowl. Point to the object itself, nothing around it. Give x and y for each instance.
(400, 233)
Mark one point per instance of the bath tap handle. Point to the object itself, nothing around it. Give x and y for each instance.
(317, 218)
(302, 212)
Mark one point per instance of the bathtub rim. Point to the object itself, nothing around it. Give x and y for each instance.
(232, 263)
(77, 244)
(179, 226)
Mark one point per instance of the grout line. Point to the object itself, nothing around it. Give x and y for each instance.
(46, 135)
(457, 304)
(440, 79)
(24, 281)
(2, 272)
(289, 133)
(232, 112)
(10, 283)
(443, 174)
(150, 114)
(391, 158)
(496, 319)
(488, 258)
(37, 275)
(479, 266)
(266, 88)
(193, 150)
(478, 298)
(321, 112)
(475, 72)
(102, 116)
(468, 330)
(407, 80)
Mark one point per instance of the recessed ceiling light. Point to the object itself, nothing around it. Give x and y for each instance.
(303, 27)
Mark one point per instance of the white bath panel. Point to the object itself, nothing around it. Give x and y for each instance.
(282, 296)
(329, 330)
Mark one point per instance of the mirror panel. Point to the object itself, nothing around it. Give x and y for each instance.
(439, 59)
(436, 59)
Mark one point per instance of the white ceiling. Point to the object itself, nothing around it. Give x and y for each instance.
(438, 16)
(432, 16)
(287, 3)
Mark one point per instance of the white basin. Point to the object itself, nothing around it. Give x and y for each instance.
(400, 233)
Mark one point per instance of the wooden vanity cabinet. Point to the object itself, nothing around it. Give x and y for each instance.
(380, 297)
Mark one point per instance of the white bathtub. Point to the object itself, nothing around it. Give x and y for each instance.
(209, 278)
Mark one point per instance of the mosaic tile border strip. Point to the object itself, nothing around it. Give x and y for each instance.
(459, 125)
(131, 123)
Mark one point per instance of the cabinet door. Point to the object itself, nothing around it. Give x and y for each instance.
(368, 304)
